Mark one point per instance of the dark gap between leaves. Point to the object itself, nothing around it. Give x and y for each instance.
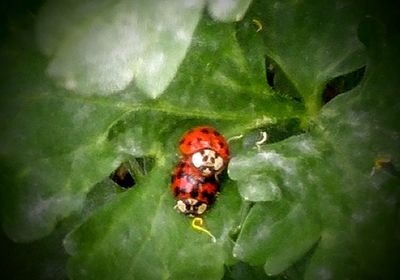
(122, 176)
(341, 84)
(269, 73)
(128, 173)
(234, 233)
(243, 270)
(126, 176)
(278, 81)
(282, 130)
(118, 128)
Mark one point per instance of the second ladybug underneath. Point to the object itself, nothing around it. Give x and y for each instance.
(194, 193)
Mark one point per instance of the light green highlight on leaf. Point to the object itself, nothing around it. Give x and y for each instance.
(228, 10)
(100, 47)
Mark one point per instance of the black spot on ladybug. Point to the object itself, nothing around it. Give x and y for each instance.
(181, 141)
(198, 139)
(194, 193)
(180, 174)
(210, 180)
(216, 133)
(181, 165)
(177, 190)
(205, 131)
(221, 145)
(210, 196)
(173, 178)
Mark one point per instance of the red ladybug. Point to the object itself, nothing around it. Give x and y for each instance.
(194, 192)
(207, 149)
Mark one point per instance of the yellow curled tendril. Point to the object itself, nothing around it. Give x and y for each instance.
(197, 223)
(379, 163)
(258, 25)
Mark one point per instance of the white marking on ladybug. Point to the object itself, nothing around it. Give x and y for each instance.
(207, 161)
(189, 206)
(181, 206)
(191, 201)
(201, 209)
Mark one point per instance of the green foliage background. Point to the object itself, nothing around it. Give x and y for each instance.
(86, 85)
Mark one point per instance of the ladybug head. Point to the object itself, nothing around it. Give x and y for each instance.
(208, 162)
(191, 206)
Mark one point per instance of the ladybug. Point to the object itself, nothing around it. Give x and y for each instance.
(207, 149)
(194, 192)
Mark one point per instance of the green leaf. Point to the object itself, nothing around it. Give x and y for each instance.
(319, 200)
(100, 48)
(276, 234)
(311, 41)
(58, 144)
(337, 198)
(51, 149)
(243, 271)
(139, 234)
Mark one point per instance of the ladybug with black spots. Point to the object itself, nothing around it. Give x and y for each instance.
(194, 192)
(207, 150)
(194, 182)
